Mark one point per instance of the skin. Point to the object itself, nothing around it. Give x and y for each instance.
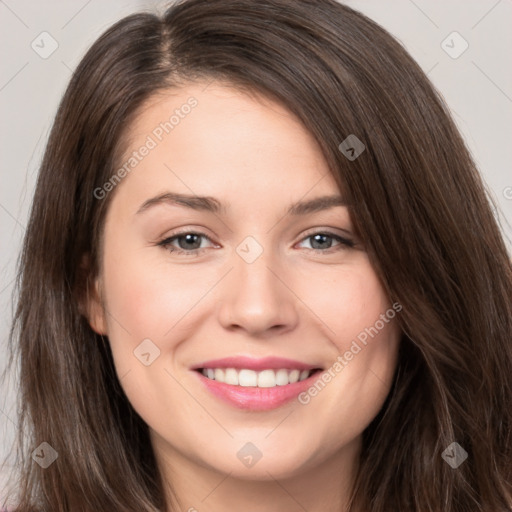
(256, 158)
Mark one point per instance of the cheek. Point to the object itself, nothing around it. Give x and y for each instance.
(144, 300)
(366, 330)
(346, 301)
(362, 327)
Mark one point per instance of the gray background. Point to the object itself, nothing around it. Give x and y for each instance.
(477, 85)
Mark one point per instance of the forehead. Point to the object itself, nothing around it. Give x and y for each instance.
(212, 139)
(215, 114)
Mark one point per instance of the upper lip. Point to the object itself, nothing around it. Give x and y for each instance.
(266, 363)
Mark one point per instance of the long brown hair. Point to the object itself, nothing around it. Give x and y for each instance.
(416, 199)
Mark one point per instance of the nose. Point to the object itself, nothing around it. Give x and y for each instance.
(258, 298)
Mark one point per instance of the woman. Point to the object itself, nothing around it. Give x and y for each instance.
(261, 369)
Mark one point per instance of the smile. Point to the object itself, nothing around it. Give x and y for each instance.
(250, 378)
(256, 385)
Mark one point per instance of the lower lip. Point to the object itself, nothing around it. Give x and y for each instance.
(254, 398)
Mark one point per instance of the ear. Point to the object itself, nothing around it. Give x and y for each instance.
(95, 310)
(91, 301)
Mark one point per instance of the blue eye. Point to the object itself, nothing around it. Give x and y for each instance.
(189, 242)
(322, 238)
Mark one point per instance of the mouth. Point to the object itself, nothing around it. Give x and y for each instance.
(256, 385)
(268, 378)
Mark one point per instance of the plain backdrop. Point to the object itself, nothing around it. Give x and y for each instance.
(476, 84)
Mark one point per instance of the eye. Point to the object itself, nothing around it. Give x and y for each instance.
(322, 241)
(189, 243)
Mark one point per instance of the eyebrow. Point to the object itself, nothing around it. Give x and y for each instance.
(210, 204)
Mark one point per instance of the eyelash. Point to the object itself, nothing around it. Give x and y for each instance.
(344, 243)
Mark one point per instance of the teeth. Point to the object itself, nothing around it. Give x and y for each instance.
(231, 377)
(293, 376)
(282, 377)
(247, 378)
(267, 379)
(251, 378)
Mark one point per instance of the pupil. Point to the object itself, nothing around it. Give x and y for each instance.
(193, 239)
(189, 239)
(316, 239)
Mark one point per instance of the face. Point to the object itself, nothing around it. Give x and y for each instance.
(244, 316)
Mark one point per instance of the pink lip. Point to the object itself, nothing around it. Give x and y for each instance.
(254, 398)
(266, 363)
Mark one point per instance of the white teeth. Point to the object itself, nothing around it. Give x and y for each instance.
(267, 379)
(251, 378)
(247, 378)
(231, 377)
(304, 374)
(294, 376)
(282, 377)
